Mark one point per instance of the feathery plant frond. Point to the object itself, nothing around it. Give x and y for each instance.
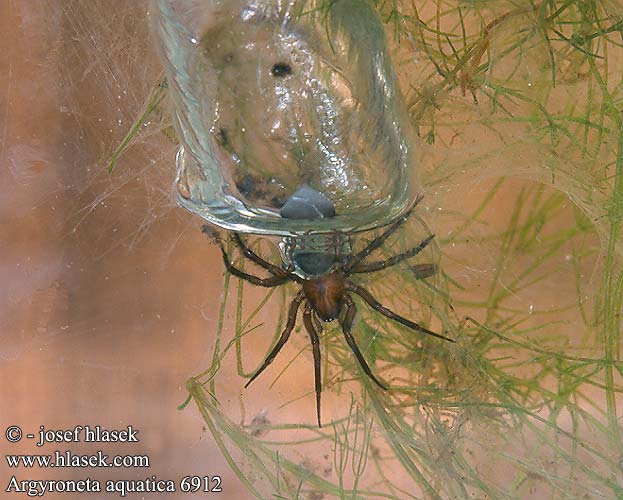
(521, 103)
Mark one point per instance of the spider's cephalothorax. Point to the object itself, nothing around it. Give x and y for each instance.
(326, 292)
(325, 295)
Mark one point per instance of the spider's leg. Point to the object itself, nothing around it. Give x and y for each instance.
(315, 342)
(251, 255)
(285, 335)
(374, 304)
(317, 322)
(378, 241)
(425, 272)
(256, 280)
(347, 325)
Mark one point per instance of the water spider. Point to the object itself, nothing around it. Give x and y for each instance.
(326, 293)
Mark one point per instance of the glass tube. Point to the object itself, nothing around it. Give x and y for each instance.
(289, 113)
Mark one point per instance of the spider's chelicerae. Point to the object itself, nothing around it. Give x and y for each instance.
(328, 296)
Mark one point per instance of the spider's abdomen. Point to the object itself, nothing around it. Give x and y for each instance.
(326, 294)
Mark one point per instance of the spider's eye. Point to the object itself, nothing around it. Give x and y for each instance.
(281, 69)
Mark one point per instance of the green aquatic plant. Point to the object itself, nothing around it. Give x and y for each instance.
(521, 103)
(155, 106)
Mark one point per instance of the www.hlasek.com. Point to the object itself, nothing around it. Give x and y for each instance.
(62, 460)
(68, 459)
